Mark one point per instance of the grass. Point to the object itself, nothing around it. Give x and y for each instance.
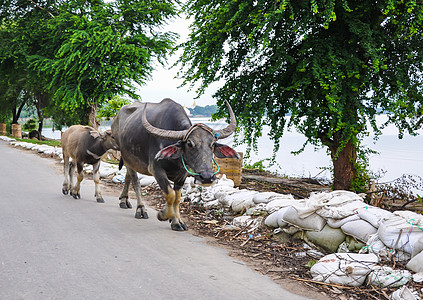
(34, 141)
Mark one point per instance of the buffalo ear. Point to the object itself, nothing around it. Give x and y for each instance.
(223, 151)
(170, 152)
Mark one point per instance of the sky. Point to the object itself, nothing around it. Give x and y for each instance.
(164, 84)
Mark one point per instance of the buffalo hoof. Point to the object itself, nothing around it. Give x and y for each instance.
(141, 213)
(179, 227)
(65, 192)
(100, 200)
(125, 204)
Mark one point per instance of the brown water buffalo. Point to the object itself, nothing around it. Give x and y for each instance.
(159, 139)
(84, 144)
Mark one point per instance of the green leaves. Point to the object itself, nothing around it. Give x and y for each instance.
(86, 52)
(331, 65)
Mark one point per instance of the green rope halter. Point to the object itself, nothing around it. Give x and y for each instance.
(193, 173)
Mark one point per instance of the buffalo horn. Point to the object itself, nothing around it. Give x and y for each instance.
(228, 130)
(161, 133)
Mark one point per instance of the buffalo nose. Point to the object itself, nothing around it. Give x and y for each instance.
(207, 177)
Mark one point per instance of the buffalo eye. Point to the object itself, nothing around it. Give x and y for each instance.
(190, 144)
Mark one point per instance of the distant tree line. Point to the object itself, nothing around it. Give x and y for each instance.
(205, 111)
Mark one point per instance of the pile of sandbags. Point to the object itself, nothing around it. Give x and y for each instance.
(339, 222)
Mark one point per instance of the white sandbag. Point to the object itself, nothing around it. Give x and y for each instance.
(409, 215)
(277, 204)
(242, 200)
(266, 197)
(107, 169)
(341, 211)
(404, 293)
(324, 201)
(384, 276)
(223, 181)
(403, 233)
(147, 180)
(376, 246)
(239, 195)
(43, 148)
(311, 222)
(344, 268)
(374, 215)
(7, 139)
(328, 238)
(240, 205)
(337, 223)
(416, 263)
(222, 188)
(274, 220)
(359, 229)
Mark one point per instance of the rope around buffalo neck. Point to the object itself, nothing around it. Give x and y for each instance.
(193, 173)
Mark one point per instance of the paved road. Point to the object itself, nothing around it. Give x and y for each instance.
(55, 247)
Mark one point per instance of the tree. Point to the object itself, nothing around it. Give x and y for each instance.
(82, 53)
(333, 65)
(109, 109)
(19, 37)
(103, 49)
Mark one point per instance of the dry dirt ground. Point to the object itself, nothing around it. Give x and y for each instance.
(279, 257)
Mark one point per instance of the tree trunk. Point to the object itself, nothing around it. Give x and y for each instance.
(344, 168)
(17, 113)
(40, 98)
(92, 117)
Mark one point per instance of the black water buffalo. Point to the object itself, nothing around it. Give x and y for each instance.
(159, 139)
(84, 144)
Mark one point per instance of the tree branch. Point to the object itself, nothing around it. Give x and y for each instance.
(41, 8)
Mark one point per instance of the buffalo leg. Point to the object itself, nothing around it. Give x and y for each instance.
(80, 177)
(124, 201)
(66, 185)
(177, 223)
(72, 167)
(167, 212)
(141, 211)
(96, 178)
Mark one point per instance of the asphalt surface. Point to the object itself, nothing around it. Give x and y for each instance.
(55, 247)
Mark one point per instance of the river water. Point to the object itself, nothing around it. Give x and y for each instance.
(395, 156)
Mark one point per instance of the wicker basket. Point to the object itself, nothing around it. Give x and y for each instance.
(231, 167)
(3, 130)
(16, 131)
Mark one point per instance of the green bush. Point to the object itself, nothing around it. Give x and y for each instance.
(30, 125)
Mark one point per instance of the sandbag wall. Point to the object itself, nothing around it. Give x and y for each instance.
(358, 236)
